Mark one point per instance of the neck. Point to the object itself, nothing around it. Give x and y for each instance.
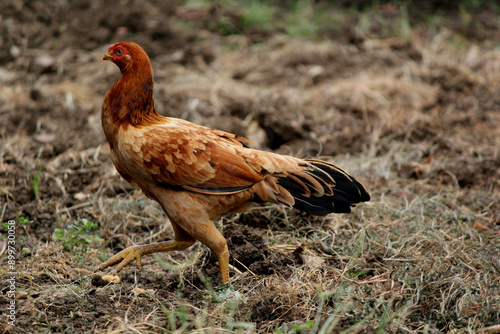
(130, 100)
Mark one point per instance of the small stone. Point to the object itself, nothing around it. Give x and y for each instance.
(111, 279)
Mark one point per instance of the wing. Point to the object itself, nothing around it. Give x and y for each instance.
(183, 154)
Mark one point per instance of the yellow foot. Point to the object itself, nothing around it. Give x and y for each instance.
(125, 257)
(136, 252)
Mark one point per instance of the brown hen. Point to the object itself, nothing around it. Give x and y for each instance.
(198, 174)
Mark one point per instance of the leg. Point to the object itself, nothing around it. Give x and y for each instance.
(181, 241)
(210, 236)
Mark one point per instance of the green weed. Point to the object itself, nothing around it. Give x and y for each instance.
(258, 13)
(34, 179)
(20, 221)
(302, 21)
(404, 25)
(77, 235)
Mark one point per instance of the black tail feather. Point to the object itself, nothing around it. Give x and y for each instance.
(340, 191)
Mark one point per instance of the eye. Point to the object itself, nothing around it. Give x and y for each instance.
(119, 52)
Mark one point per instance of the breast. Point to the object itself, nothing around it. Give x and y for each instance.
(127, 157)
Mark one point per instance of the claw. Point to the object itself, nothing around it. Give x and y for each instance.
(123, 258)
(136, 252)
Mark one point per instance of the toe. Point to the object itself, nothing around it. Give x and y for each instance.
(123, 258)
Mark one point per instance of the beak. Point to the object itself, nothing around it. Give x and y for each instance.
(107, 56)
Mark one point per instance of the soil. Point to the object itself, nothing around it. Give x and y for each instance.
(345, 94)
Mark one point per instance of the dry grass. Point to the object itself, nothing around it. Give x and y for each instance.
(416, 121)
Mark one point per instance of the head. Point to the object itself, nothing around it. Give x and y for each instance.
(124, 54)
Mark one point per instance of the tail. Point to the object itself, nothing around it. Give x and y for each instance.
(318, 188)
